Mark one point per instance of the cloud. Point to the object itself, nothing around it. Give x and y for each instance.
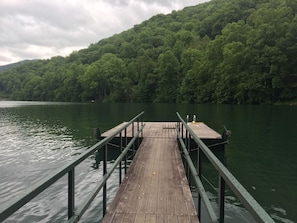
(38, 29)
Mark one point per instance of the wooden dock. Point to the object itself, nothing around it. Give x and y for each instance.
(200, 129)
(155, 188)
(210, 137)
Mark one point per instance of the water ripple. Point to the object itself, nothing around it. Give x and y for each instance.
(29, 152)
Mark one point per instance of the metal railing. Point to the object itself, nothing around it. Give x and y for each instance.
(251, 205)
(8, 209)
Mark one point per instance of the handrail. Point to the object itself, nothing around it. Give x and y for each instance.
(252, 206)
(197, 180)
(9, 208)
(90, 198)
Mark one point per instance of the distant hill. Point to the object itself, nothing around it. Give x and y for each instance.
(12, 65)
(221, 51)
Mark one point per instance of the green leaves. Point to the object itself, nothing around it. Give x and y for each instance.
(231, 51)
(103, 79)
(169, 77)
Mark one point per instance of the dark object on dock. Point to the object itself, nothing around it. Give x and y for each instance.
(226, 134)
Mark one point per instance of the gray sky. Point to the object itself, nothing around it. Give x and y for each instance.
(39, 29)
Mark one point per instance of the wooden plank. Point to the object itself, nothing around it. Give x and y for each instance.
(178, 190)
(128, 218)
(154, 172)
(193, 218)
(203, 131)
(161, 218)
(184, 189)
(167, 129)
(173, 218)
(151, 218)
(155, 188)
(139, 218)
(163, 180)
(118, 218)
(148, 171)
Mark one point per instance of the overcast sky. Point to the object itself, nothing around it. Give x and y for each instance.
(40, 29)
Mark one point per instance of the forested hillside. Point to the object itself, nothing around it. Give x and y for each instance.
(222, 51)
(10, 66)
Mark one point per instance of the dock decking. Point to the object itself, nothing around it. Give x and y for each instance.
(155, 188)
(200, 129)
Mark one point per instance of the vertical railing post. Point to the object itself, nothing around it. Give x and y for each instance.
(178, 128)
(104, 172)
(186, 144)
(199, 175)
(221, 199)
(141, 135)
(120, 164)
(137, 132)
(188, 166)
(133, 133)
(186, 139)
(126, 143)
(182, 131)
(70, 193)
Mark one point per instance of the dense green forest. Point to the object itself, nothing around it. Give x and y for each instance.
(222, 51)
(10, 66)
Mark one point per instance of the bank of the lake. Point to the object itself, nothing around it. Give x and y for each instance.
(38, 137)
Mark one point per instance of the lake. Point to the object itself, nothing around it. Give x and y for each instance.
(38, 137)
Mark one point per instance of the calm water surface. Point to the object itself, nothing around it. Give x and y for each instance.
(38, 137)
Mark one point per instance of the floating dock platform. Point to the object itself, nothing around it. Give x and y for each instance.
(210, 137)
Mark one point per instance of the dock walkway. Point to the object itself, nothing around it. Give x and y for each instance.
(155, 188)
(152, 129)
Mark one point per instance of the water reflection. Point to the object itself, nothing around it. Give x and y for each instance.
(36, 138)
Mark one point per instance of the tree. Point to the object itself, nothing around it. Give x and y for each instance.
(104, 79)
(169, 77)
(231, 51)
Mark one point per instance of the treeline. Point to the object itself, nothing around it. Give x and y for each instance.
(222, 51)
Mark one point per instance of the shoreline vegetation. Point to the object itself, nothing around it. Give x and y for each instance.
(220, 52)
(290, 103)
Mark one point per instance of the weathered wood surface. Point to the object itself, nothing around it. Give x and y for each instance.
(200, 129)
(155, 188)
(203, 131)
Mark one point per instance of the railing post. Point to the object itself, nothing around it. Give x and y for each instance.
(221, 199)
(120, 164)
(186, 143)
(182, 130)
(186, 139)
(126, 143)
(141, 135)
(189, 151)
(138, 135)
(133, 149)
(178, 128)
(70, 193)
(199, 175)
(252, 206)
(104, 172)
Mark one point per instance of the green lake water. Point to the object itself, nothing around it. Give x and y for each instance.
(38, 137)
